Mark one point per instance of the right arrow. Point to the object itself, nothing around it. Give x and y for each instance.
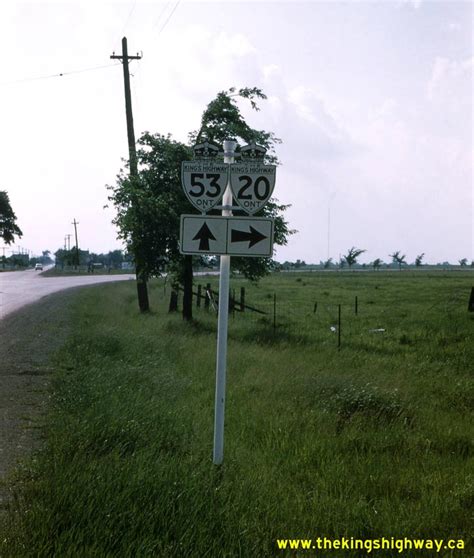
(253, 236)
(204, 234)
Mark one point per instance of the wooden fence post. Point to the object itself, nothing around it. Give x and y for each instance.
(339, 327)
(242, 299)
(232, 303)
(173, 307)
(274, 312)
(470, 307)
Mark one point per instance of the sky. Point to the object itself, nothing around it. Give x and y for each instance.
(372, 100)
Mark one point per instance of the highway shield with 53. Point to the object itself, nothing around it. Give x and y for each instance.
(204, 182)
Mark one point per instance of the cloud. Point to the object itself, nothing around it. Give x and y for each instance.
(454, 26)
(447, 74)
(415, 4)
(271, 70)
(310, 107)
(385, 110)
(227, 45)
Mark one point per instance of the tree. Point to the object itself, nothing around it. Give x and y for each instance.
(209, 262)
(223, 120)
(8, 226)
(149, 209)
(19, 260)
(377, 263)
(352, 255)
(62, 257)
(463, 262)
(400, 260)
(45, 257)
(70, 257)
(419, 259)
(115, 259)
(327, 264)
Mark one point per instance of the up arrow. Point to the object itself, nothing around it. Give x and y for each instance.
(204, 235)
(253, 236)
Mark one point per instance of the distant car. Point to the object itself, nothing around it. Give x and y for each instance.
(39, 267)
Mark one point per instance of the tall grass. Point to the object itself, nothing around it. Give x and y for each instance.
(371, 440)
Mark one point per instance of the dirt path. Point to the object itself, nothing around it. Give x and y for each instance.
(28, 337)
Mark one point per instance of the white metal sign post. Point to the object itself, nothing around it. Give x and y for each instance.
(205, 182)
(222, 324)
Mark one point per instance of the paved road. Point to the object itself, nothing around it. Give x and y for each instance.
(19, 288)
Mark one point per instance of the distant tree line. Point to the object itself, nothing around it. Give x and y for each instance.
(23, 260)
(350, 259)
(113, 259)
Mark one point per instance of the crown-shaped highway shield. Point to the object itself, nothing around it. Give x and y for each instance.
(204, 179)
(252, 182)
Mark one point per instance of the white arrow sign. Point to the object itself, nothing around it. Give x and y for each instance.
(236, 236)
(204, 182)
(252, 184)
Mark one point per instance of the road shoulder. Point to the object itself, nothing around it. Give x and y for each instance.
(28, 338)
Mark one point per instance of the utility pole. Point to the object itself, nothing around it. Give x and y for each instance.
(142, 289)
(329, 225)
(75, 223)
(68, 236)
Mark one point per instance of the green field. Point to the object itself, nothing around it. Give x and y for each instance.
(372, 439)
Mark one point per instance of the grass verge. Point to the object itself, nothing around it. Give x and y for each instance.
(373, 440)
(83, 270)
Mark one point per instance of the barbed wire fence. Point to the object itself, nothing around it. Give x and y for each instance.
(273, 316)
(315, 319)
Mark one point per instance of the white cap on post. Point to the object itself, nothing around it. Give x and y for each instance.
(229, 147)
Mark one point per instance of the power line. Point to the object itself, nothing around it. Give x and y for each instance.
(94, 68)
(165, 6)
(163, 26)
(126, 22)
(61, 74)
(169, 17)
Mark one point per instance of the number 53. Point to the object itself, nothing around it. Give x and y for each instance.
(213, 189)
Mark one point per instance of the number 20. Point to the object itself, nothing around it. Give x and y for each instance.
(256, 188)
